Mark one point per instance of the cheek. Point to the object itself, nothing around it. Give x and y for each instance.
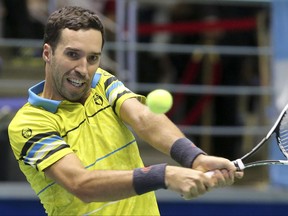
(61, 66)
(58, 71)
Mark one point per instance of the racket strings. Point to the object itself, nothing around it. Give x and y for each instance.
(283, 135)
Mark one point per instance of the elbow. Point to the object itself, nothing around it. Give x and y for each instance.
(81, 193)
(85, 199)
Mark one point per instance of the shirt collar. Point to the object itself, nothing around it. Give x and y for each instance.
(36, 100)
(47, 104)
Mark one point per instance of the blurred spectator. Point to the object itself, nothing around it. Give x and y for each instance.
(38, 10)
(18, 23)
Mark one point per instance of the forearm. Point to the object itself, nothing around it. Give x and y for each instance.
(165, 136)
(158, 131)
(104, 185)
(96, 185)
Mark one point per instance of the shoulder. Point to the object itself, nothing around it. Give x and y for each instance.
(101, 76)
(29, 113)
(32, 119)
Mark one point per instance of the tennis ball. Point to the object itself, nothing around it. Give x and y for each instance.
(159, 101)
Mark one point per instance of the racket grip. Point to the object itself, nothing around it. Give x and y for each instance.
(239, 164)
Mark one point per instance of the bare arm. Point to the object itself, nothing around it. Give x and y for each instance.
(155, 129)
(161, 133)
(97, 185)
(110, 185)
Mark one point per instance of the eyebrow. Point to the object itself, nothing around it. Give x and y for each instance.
(78, 50)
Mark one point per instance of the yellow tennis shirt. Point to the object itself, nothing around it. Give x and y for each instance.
(43, 131)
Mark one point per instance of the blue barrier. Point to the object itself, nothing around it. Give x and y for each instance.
(21, 207)
(14, 103)
(222, 209)
(34, 208)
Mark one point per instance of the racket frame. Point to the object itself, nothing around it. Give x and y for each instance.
(241, 165)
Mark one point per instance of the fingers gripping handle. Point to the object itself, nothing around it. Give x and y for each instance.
(239, 164)
(209, 174)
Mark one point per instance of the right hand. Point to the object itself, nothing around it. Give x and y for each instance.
(189, 183)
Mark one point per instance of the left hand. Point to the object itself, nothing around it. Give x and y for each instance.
(224, 171)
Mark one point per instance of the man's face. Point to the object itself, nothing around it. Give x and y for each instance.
(70, 70)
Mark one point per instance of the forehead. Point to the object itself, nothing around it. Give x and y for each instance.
(90, 39)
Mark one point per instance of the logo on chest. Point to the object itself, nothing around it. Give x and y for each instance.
(98, 100)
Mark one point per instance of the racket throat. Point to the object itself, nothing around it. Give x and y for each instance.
(239, 164)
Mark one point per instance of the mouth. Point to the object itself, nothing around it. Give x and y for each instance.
(76, 82)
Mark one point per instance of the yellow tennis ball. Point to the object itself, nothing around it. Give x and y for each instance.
(159, 101)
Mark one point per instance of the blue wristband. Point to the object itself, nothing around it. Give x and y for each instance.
(149, 178)
(184, 152)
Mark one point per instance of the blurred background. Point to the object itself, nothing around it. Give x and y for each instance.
(224, 62)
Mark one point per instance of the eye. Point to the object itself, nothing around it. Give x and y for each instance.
(72, 54)
(93, 59)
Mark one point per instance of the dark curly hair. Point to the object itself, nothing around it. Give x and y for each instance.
(71, 17)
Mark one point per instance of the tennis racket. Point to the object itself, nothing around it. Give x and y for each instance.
(280, 130)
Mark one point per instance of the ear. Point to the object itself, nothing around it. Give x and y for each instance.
(47, 52)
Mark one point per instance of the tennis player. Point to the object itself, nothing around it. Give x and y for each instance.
(72, 137)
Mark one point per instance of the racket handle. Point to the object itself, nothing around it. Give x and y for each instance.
(239, 164)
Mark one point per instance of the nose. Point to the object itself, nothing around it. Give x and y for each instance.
(82, 67)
